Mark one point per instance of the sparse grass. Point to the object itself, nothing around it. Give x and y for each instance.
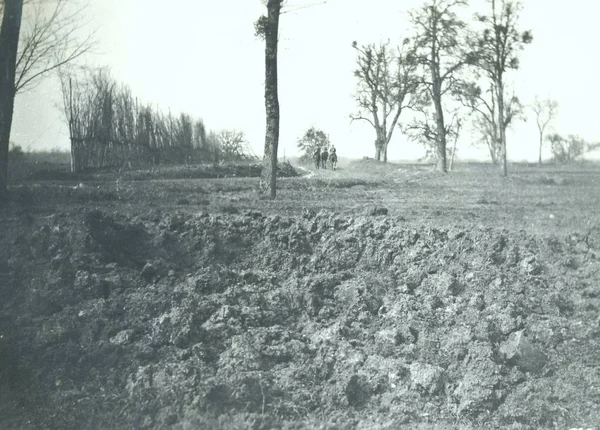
(534, 198)
(29, 163)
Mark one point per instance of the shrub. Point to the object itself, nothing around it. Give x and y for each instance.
(566, 150)
(15, 151)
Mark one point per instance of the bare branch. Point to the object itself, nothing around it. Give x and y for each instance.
(51, 41)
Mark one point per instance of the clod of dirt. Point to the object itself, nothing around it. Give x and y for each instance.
(428, 378)
(518, 351)
(377, 211)
(153, 270)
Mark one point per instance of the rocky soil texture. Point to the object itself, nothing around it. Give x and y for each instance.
(247, 320)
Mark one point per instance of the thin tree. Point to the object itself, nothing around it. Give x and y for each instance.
(386, 85)
(441, 38)
(267, 27)
(500, 44)
(545, 112)
(459, 122)
(485, 107)
(9, 40)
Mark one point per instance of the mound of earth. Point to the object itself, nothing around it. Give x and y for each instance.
(321, 321)
(200, 171)
(207, 171)
(371, 163)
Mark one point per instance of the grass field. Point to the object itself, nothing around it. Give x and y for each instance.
(542, 199)
(374, 296)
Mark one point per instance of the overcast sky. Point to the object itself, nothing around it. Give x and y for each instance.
(201, 57)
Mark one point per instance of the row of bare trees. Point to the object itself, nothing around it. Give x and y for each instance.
(108, 127)
(439, 74)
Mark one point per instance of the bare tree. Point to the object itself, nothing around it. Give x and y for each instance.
(387, 83)
(267, 27)
(9, 40)
(485, 108)
(50, 39)
(441, 38)
(545, 111)
(459, 123)
(500, 43)
(234, 146)
(45, 41)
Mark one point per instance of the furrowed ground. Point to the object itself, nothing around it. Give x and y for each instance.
(375, 296)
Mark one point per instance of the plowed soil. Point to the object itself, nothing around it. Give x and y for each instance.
(373, 297)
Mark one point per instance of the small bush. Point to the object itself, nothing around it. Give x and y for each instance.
(15, 151)
(567, 149)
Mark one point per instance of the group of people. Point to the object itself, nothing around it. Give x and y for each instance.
(322, 156)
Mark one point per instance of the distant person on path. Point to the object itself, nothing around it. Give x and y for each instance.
(317, 157)
(333, 157)
(324, 157)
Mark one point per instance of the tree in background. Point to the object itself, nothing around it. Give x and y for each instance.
(267, 27)
(312, 139)
(234, 146)
(499, 43)
(9, 40)
(485, 108)
(567, 149)
(545, 111)
(387, 82)
(441, 41)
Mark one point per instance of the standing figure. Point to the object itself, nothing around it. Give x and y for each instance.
(333, 157)
(324, 156)
(317, 158)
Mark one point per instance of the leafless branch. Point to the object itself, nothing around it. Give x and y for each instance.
(51, 40)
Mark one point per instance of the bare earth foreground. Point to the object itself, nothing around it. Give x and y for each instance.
(376, 296)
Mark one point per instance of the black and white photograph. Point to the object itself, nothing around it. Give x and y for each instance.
(299, 214)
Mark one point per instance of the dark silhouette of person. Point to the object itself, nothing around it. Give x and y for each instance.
(317, 157)
(324, 157)
(333, 157)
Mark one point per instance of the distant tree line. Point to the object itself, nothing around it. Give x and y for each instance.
(109, 127)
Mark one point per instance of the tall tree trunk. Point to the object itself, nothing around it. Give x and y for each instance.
(268, 180)
(9, 41)
(385, 148)
(440, 164)
(380, 146)
(454, 150)
(541, 143)
(502, 127)
(436, 81)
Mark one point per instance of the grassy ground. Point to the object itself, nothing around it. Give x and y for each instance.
(543, 199)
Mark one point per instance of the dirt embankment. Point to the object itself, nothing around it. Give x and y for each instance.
(248, 321)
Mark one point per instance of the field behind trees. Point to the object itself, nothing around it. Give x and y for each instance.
(375, 296)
